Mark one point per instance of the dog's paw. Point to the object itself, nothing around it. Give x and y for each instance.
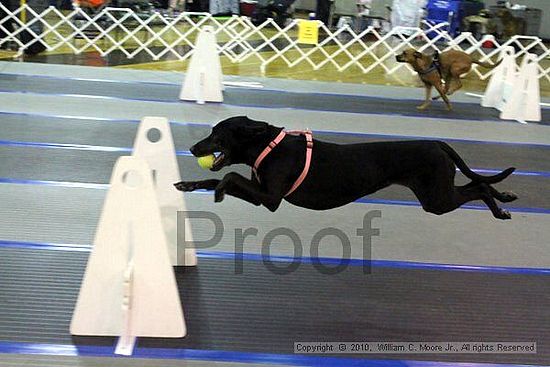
(504, 214)
(219, 195)
(185, 186)
(508, 196)
(422, 107)
(449, 108)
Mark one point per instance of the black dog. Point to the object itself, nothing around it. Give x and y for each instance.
(339, 174)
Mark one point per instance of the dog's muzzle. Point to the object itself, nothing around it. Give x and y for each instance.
(219, 162)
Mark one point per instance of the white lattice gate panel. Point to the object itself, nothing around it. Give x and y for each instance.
(159, 35)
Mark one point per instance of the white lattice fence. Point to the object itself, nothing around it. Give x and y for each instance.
(158, 35)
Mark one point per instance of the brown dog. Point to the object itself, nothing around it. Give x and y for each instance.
(434, 69)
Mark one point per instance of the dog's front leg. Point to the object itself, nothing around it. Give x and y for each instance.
(441, 90)
(197, 185)
(245, 189)
(428, 98)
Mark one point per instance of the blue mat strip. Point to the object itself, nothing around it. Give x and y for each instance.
(225, 356)
(219, 255)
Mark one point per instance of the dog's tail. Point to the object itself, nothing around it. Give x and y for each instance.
(471, 174)
(486, 64)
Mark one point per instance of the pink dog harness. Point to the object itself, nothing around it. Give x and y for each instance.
(275, 142)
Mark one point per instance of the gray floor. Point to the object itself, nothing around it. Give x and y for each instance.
(470, 237)
(500, 131)
(258, 311)
(7, 360)
(245, 97)
(68, 215)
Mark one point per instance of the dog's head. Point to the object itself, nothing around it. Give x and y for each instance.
(409, 55)
(416, 59)
(230, 140)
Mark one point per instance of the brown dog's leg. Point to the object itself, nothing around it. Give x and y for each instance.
(427, 100)
(441, 91)
(451, 86)
(448, 82)
(455, 84)
(454, 77)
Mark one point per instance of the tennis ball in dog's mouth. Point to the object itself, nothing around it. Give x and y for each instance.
(207, 161)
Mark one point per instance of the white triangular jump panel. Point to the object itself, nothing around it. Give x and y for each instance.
(129, 288)
(502, 81)
(204, 79)
(524, 103)
(155, 144)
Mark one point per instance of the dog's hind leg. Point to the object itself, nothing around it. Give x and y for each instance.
(438, 195)
(448, 81)
(456, 86)
(502, 196)
(454, 76)
(451, 85)
(457, 197)
(488, 194)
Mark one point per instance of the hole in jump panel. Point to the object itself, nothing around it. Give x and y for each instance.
(154, 135)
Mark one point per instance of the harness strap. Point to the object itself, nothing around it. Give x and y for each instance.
(266, 151)
(434, 66)
(275, 142)
(429, 70)
(309, 153)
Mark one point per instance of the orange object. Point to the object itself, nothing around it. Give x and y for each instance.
(488, 44)
(248, 7)
(91, 3)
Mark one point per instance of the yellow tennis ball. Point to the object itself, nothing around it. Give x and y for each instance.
(207, 161)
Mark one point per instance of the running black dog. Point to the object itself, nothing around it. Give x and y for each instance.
(338, 174)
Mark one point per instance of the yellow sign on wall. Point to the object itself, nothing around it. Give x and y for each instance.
(308, 32)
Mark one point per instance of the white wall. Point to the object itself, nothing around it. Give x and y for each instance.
(544, 5)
